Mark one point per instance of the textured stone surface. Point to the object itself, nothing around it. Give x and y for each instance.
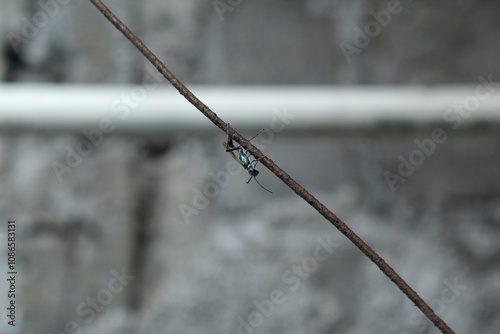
(118, 211)
(256, 42)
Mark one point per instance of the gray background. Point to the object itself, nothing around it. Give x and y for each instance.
(119, 209)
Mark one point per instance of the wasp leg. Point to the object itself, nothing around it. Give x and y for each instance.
(256, 134)
(232, 149)
(256, 162)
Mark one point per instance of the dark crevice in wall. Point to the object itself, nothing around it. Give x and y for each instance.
(147, 174)
(14, 63)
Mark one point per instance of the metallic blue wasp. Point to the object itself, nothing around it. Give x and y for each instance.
(243, 157)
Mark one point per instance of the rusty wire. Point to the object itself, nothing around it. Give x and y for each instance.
(280, 173)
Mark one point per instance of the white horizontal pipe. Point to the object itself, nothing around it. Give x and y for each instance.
(161, 108)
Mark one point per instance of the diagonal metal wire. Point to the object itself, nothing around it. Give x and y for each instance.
(280, 173)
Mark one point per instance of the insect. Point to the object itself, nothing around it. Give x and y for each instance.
(243, 157)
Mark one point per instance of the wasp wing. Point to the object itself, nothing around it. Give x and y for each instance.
(233, 155)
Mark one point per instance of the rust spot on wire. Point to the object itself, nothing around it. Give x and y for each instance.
(281, 174)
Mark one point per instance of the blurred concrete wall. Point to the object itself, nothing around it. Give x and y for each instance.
(254, 42)
(139, 238)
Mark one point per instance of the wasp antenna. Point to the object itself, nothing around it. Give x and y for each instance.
(269, 191)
